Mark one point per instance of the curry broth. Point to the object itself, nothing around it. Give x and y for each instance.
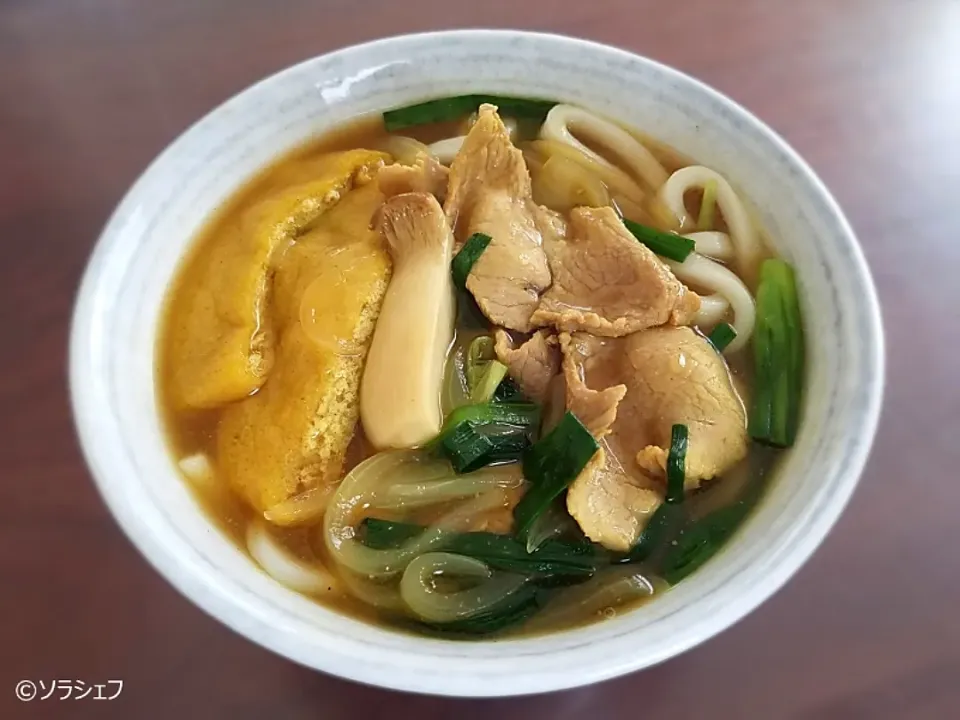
(191, 431)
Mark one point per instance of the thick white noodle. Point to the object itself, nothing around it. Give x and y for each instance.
(746, 244)
(715, 245)
(729, 288)
(565, 120)
(284, 567)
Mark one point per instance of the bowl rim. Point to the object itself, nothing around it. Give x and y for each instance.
(612, 667)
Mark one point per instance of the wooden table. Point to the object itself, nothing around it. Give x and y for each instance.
(867, 90)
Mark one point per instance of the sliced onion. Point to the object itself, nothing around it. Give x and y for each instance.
(562, 184)
(403, 149)
(421, 494)
(367, 485)
(601, 594)
(446, 150)
(563, 121)
(385, 596)
(283, 567)
(614, 178)
(302, 509)
(425, 600)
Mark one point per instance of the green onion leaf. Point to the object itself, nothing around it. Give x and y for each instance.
(553, 559)
(708, 206)
(655, 533)
(550, 466)
(454, 108)
(778, 350)
(512, 610)
(466, 448)
(721, 336)
(675, 247)
(508, 392)
(484, 372)
(676, 464)
(700, 541)
(474, 436)
(464, 260)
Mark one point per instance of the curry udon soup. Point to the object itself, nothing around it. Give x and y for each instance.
(472, 372)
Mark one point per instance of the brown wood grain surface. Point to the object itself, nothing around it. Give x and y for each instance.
(867, 90)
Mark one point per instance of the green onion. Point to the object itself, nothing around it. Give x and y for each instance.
(453, 108)
(464, 260)
(721, 336)
(553, 559)
(474, 436)
(675, 247)
(512, 610)
(484, 372)
(708, 206)
(466, 448)
(655, 533)
(550, 466)
(700, 541)
(676, 464)
(508, 392)
(778, 351)
(524, 416)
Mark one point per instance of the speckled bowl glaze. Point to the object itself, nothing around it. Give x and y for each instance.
(118, 308)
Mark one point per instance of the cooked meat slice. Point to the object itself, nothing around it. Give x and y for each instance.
(532, 365)
(685, 380)
(293, 434)
(671, 375)
(596, 409)
(663, 376)
(611, 506)
(223, 349)
(490, 193)
(426, 175)
(606, 283)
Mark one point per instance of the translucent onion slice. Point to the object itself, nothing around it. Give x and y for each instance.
(403, 149)
(307, 507)
(562, 184)
(426, 600)
(614, 178)
(601, 595)
(565, 122)
(283, 567)
(367, 485)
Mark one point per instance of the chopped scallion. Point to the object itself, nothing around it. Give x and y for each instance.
(675, 247)
(453, 108)
(464, 260)
(778, 350)
(708, 206)
(676, 464)
(721, 336)
(550, 466)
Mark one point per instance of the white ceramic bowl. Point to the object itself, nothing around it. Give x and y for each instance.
(117, 313)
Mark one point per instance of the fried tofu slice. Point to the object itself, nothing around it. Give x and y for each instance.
(292, 435)
(221, 337)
